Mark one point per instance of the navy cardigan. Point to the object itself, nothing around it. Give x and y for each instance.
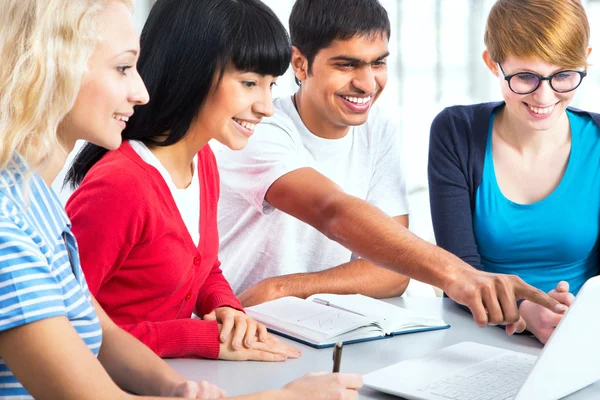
(456, 154)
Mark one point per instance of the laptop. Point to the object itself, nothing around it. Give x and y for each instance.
(569, 362)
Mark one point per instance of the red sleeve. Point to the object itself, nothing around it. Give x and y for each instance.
(179, 338)
(216, 292)
(107, 219)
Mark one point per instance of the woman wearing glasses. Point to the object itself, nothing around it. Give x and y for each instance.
(515, 185)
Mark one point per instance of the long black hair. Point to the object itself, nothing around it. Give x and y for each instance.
(184, 45)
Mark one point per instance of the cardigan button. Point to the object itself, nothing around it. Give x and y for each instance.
(188, 295)
(197, 261)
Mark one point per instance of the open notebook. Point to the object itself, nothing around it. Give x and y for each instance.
(347, 318)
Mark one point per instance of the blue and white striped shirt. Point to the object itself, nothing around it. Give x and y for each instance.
(40, 274)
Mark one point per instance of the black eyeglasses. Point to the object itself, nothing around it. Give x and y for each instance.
(528, 82)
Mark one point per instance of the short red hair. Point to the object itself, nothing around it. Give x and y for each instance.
(555, 31)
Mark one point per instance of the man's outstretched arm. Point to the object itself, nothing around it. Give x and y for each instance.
(370, 233)
(356, 276)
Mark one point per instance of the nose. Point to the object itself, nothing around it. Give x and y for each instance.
(365, 79)
(544, 94)
(264, 105)
(138, 93)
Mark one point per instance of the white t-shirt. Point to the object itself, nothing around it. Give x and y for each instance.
(258, 241)
(187, 199)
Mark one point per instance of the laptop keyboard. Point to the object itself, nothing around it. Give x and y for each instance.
(497, 379)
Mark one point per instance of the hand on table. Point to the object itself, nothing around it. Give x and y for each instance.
(492, 298)
(324, 386)
(197, 390)
(541, 321)
(272, 349)
(235, 326)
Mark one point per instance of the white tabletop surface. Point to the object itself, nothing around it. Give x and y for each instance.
(246, 377)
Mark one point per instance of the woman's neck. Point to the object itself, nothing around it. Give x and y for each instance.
(56, 161)
(529, 141)
(177, 158)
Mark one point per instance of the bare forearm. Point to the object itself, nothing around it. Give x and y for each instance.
(357, 276)
(134, 367)
(373, 235)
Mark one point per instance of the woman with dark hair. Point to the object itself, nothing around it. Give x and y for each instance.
(145, 215)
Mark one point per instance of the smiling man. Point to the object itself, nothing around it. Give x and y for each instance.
(316, 202)
(324, 140)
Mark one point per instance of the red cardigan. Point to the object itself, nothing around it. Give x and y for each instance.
(139, 259)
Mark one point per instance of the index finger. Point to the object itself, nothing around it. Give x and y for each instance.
(226, 327)
(527, 292)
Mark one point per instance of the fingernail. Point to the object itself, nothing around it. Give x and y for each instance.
(247, 343)
(223, 338)
(561, 307)
(236, 346)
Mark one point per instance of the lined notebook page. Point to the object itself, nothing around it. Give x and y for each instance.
(325, 320)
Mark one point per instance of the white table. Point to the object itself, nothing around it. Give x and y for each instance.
(246, 377)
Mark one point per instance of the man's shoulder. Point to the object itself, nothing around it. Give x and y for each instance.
(382, 120)
(281, 129)
(380, 126)
(282, 118)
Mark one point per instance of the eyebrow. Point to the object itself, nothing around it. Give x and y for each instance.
(358, 60)
(529, 71)
(132, 51)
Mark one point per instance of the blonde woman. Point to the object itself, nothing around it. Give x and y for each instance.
(68, 73)
(515, 185)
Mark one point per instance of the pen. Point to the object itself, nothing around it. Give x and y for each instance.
(337, 357)
(328, 304)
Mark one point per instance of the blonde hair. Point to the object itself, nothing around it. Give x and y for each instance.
(555, 31)
(45, 47)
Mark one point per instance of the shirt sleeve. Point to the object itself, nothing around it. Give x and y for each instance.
(29, 289)
(216, 292)
(273, 151)
(449, 191)
(178, 338)
(387, 190)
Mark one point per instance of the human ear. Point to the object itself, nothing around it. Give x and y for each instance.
(299, 64)
(490, 63)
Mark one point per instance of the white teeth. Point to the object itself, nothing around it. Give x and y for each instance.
(358, 100)
(538, 110)
(120, 117)
(245, 124)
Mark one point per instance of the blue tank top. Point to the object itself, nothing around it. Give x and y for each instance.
(555, 238)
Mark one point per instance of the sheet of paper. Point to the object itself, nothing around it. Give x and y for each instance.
(390, 317)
